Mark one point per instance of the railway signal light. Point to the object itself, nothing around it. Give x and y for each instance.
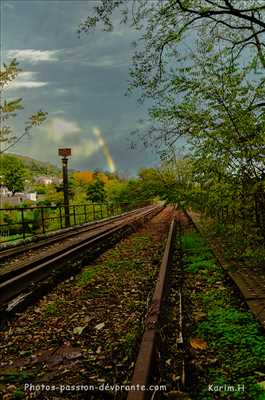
(64, 153)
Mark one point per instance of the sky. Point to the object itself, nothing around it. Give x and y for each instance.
(80, 82)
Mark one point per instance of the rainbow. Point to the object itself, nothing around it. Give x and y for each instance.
(104, 145)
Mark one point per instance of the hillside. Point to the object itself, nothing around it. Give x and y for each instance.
(36, 167)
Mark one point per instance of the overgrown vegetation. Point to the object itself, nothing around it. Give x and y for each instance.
(235, 352)
(200, 64)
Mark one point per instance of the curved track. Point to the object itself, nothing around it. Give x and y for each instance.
(6, 254)
(24, 275)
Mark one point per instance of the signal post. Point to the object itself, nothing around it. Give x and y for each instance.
(64, 153)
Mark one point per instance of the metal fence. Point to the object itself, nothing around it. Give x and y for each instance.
(20, 223)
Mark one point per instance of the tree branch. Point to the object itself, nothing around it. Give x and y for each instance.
(26, 132)
(225, 11)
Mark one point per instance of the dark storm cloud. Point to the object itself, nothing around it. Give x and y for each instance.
(80, 82)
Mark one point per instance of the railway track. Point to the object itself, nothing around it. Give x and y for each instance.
(167, 364)
(170, 358)
(15, 251)
(21, 279)
(153, 364)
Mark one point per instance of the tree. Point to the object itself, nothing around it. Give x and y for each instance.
(115, 190)
(170, 31)
(83, 177)
(171, 182)
(96, 191)
(219, 113)
(13, 173)
(238, 24)
(202, 64)
(71, 187)
(9, 108)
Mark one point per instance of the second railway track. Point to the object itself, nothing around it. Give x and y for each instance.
(7, 254)
(22, 276)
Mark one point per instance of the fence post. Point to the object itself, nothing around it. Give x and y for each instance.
(74, 215)
(101, 211)
(94, 215)
(85, 213)
(61, 219)
(23, 223)
(42, 220)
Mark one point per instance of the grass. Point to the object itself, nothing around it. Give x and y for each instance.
(231, 331)
(53, 307)
(53, 223)
(18, 394)
(20, 377)
(86, 276)
(4, 239)
(247, 246)
(129, 342)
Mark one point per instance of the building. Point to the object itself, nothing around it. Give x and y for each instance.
(47, 180)
(7, 199)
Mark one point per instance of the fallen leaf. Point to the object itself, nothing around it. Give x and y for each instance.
(198, 344)
(79, 329)
(100, 326)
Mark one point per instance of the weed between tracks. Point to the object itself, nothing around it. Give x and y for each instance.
(171, 353)
(227, 344)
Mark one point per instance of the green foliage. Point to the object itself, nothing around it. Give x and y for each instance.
(40, 189)
(232, 333)
(201, 264)
(36, 167)
(54, 195)
(96, 191)
(18, 394)
(8, 109)
(193, 242)
(202, 64)
(166, 26)
(86, 276)
(60, 189)
(13, 173)
(53, 307)
(129, 341)
(170, 182)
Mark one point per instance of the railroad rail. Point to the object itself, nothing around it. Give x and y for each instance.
(144, 374)
(6, 254)
(147, 372)
(25, 275)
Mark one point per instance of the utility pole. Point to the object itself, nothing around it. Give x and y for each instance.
(64, 153)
